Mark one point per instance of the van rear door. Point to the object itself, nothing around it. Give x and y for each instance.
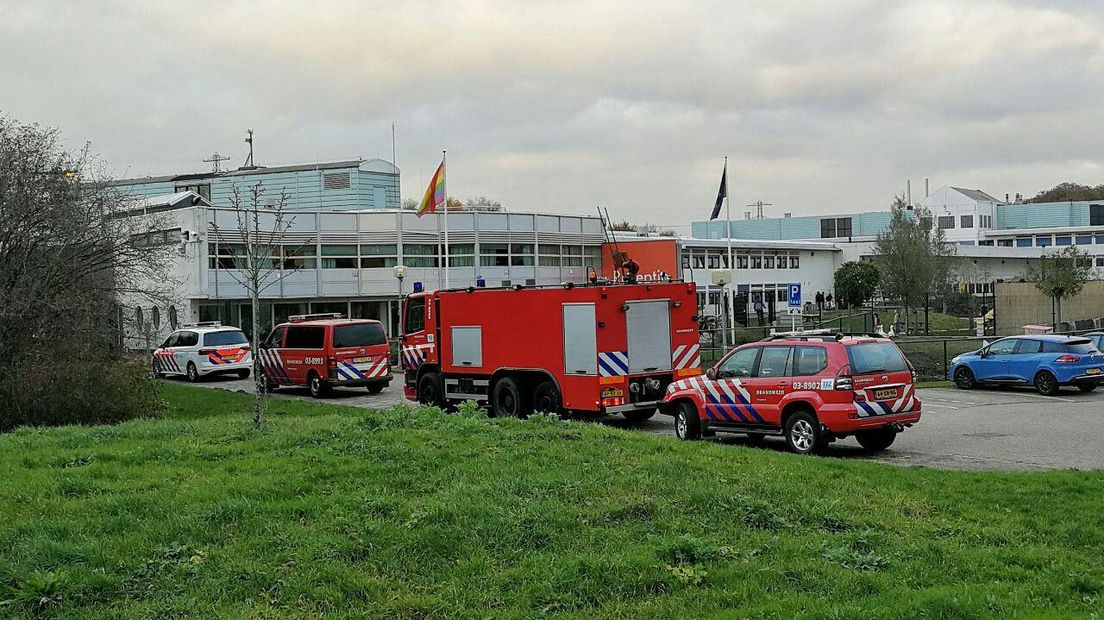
(360, 351)
(882, 377)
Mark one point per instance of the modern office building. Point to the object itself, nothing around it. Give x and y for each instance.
(326, 186)
(343, 261)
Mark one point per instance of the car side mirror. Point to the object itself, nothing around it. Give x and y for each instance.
(711, 373)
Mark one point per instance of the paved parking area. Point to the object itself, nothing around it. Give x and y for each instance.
(998, 429)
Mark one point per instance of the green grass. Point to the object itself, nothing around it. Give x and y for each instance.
(338, 512)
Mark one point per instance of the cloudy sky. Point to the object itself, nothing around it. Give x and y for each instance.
(561, 106)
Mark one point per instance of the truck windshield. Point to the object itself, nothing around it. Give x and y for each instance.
(358, 335)
(872, 357)
(217, 339)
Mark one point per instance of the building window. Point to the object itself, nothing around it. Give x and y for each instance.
(549, 255)
(781, 295)
(461, 255)
(742, 261)
(156, 238)
(757, 261)
(713, 261)
(965, 221)
(420, 254)
(174, 319)
(1100, 261)
(768, 262)
(1023, 242)
(335, 180)
(203, 189)
(782, 264)
(1062, 240)
(1096, 216)
(1084, 239)
(685, 260)
(795, 261)
(299, 256)
(377, 255)
(946, 222)
(339, 257)
(1004, 243)
(225, 255)
(988, 242)
(843, 226)
(699, 261)
(521, 254)
(593, 255)
(494, 255)
(1043, 242)
(831, 227)
(1100, 238)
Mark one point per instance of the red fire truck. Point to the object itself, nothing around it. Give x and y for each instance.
(597, 348)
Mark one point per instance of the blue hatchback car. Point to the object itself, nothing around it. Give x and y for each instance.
(1045, 361)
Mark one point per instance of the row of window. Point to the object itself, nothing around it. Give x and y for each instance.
(798, 361)
(713, 296)
(743, 261)
(947, 222)
(832, 227)
(372, 256)
(153, 238)
(1045, 241)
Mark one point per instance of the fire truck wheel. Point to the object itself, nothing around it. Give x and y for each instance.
(507, 401)
(318, 387)
(431, 390)
(687, 422)
(546, 398)
(193, 373)
(803, 434)
(640, 415)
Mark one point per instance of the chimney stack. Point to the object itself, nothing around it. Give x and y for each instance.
(926, 194)
(908, 191)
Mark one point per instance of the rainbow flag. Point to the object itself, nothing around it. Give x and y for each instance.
(435, 193)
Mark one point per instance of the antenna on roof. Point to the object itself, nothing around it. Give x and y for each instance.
(249, 158)
(759, 204)
(215, 159)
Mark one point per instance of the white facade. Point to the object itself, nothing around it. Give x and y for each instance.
(333, 261)
(963, 214)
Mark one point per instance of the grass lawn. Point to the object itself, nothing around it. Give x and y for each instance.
(339, 512)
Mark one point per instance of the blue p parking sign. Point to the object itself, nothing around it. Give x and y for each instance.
(795, 295)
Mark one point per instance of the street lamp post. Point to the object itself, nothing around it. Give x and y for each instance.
(400, 273)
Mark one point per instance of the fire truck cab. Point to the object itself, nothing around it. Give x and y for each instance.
(598, 348)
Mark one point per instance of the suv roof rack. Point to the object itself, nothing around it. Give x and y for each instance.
(204, 324)
(295, 318)
(820, 335)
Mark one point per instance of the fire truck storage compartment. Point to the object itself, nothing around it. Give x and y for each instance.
(467, 346)
(649, 335)
(580, 339)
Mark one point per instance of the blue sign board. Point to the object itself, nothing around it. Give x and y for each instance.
(795, 295)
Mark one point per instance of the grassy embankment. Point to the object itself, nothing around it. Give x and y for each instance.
(340, 512)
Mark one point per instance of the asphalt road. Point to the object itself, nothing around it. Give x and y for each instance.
(984, 429)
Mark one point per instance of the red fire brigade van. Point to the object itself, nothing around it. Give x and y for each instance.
(322, 351)
(810, 389)
(598, 348)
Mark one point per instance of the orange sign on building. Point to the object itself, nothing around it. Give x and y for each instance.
(656, 257)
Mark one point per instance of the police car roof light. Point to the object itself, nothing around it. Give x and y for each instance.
(204, 324)
(418, 287)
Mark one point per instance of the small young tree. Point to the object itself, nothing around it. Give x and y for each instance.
(1060, 275)
(258, 231)
(912, 256)
(856, 282)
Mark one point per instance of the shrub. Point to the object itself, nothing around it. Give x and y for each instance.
(76, 390)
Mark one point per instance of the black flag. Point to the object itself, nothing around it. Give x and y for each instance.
(721, 193)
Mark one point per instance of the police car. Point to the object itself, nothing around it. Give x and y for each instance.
(203, 349)
(810, 389)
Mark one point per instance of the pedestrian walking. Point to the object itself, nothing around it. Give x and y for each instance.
(759, 309)
(828, 300)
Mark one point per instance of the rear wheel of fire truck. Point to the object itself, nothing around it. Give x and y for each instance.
(318, 387)
(507, 401)
(687, 422)
(876, 440)
(546, 399)
(964, 378)
(431, 390)
(640, 415)
(1088, 385)
(243, 373)
(803, 434)
(193, 373)
(375, 388)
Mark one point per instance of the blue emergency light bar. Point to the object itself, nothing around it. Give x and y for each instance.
(480, 282)
(418, 287)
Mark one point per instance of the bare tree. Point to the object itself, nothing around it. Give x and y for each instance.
(71, 247)
(260, 261)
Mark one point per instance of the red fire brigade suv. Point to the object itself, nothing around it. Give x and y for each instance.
(597, 348)
(810, 389)
(322, 351)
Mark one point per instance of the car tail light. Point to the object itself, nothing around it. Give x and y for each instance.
(843, 379)
(1068, 359)
(860, 397)
(206, 351)
(912, 370)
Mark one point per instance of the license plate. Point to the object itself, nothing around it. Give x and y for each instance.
(885, 394)
(361, 360)
(1093, 371)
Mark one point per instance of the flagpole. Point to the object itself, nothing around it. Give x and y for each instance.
(728, 307)
(444, 188)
